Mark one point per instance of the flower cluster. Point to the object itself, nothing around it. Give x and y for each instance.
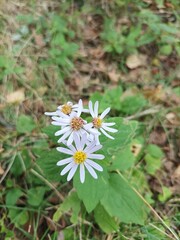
(80, 138)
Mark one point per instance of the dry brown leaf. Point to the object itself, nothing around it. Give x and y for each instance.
(1, 170)
(155, 94)
(42, 90)
(114, 76)
(172, 118)
(136, 60)
(176, 174)
(136, 148)
(39, 40)
(97, 52)
(16, 97)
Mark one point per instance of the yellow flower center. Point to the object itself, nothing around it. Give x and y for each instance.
(77, 123)
(79, 157)
(66, 109)
(97, 122)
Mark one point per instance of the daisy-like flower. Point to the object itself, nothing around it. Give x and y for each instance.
(66, 109)
(98, 125)
(81, 155)
(71, 124)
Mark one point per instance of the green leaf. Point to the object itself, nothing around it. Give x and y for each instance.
(122, 202)
(92, 190)
(153, 158)
(111, 98)
(166, 50)
(35, 196)
(13, 195)
(126, 132)
(122, 159)
(21, 163)
(47, 163)
(73, 203)
(25, 124)
(18, 217)
(104, 220)
(50, 131)
(155, 151)
(152, 164)
(132, 104)
(166, 193)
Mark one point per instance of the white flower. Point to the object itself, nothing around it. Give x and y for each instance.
(81, 155)
(71, 124)
(98, 125)
(66, 109)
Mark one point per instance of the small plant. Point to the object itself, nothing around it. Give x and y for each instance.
(110, 194)
(61, 47)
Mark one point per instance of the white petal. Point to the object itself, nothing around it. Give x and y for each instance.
(85, 110)
(64, 161)
(72, 172)
(72, 148)
(64, 136)
(64, 150)
(105, 113)
(70, 139)
(83, 140)
(77, 141)
(90, 146)
(61, 120)
(80, 108)
(91, 170)
(109, 129)
(96, 156)
(96, 105)
(58, 123)
(94, 131)
(97, 140)
(109, 124)
(106, 134)
(82, 173)
(61, 114)
(93, 149)
(60, 132)
(94, 165)
(51, 113)
(91, 109)
(88, 126)
(67, 168)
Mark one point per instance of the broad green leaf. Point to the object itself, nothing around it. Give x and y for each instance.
(152, 164)
(152, 233)
(35, 196)
(104, 220)
(111, 98)
(50, 131)
(155, 151)
(132, 104)
(122, 159)
(92, 190)
(73, 203)
(25, 124)
(126, 132)
(13, 195)
(39, 146)
(166, 49)
(18, 217)
(21, 163)
(166, 193)
(47, 163)
(122, 202)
